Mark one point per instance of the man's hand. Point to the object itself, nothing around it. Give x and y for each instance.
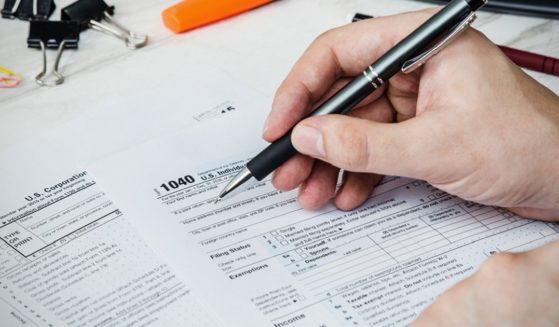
(508, 290)
(470, 122)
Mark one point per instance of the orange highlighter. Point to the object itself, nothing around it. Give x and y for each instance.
(190, 14)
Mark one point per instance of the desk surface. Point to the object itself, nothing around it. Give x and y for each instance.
(104, 79)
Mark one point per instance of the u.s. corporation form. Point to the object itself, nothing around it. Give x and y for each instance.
(70, 258)
(261, 260)
(68, 255)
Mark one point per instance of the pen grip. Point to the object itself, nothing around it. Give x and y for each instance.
(272, 157)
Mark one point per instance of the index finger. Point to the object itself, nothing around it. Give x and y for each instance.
(343, 51)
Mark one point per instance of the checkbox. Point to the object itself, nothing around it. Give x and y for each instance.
(274, 233)
(304, 255)
(299, 250)
(284, 243)
(431, 197)
(416, 183)
(279, 238)
(11, 252)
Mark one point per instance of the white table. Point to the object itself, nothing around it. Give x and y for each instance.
(104, 80)
(114, 98)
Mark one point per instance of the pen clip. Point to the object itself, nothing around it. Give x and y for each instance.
(414, 63)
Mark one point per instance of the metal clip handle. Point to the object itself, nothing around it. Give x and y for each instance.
(15, 7)
(131, 39)
(59, 78)
(414, 63)
(28, 9)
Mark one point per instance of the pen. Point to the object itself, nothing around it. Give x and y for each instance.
(532, 61)
(409, 54)
(525, 59)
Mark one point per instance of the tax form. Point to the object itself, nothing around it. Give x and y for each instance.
(262, 260)
(68, 254)
(68, 257)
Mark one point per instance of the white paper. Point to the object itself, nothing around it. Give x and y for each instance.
(70, 258)
(260, 259)
(68, 255)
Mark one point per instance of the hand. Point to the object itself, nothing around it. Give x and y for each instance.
(508, 290)
(470, 122)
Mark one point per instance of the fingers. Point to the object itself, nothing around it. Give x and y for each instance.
(508, 289)
(355, 190)
(360, 145)
(345, 51)
(456, 306)
(381, 111)
(292, 173)
(402, 92)
(545, 257)
(320, 187)
(296, 170)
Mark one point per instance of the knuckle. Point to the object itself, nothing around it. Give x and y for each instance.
(498, 265)
(323, 36)
(328, 36)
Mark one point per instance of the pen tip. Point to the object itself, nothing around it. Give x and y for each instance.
(217, 200)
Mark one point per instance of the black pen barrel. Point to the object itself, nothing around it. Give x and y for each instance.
(273, 156)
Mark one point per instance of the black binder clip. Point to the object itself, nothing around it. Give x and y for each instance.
(28, 9)
(52, 35)
(89, 13)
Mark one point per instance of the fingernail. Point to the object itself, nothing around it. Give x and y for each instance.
(265, 129)
(308, 140)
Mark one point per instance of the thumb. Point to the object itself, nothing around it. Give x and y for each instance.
(361, 145)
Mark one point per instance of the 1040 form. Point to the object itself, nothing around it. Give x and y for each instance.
(261, 260)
